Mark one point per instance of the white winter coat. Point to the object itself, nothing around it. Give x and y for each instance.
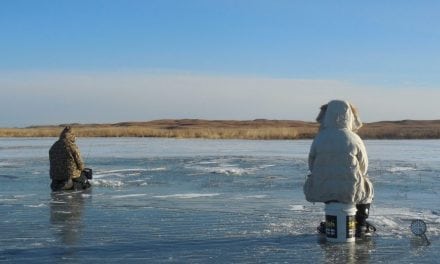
(338, 160)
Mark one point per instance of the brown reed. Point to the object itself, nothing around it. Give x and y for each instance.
(259, 129)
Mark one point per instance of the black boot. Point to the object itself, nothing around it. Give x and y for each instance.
(321, 228)
(362, 213)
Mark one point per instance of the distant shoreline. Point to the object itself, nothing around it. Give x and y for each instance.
(259, 129)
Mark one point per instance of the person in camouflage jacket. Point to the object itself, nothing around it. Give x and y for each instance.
(66, 164)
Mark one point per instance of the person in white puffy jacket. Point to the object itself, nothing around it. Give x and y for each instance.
(338, 162)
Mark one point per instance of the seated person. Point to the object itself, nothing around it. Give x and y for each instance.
(66, 165)
(338, 163)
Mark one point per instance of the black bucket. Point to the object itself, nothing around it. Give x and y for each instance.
(88, 173)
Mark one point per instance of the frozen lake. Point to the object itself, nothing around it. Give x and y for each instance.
(207, 201)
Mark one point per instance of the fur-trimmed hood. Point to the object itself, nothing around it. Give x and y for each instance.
(67, 134)
(339, 114)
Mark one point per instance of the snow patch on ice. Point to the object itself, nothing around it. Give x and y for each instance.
(36, 205)
(266, 166)
(187, 195)
(126, 172)
(255, 196)
(7, 164)
(128, 195)
(226, 169)
(400, 169)
(398, 220)
(107, 183)
(296, 207)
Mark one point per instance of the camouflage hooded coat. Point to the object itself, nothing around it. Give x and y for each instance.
(338, 160)
(65, 158)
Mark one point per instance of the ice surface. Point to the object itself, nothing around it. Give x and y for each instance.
(208, 201)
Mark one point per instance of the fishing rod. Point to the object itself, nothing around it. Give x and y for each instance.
(88, 171)
(88, 151)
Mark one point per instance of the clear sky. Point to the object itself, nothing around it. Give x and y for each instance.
(98, 61)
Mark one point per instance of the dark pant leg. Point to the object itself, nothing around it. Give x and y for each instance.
(363, 210)
(57, 185)
(61, 185)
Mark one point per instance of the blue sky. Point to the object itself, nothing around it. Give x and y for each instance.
(108, 61)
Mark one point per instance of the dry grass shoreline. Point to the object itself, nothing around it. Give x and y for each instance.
(229, 129)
